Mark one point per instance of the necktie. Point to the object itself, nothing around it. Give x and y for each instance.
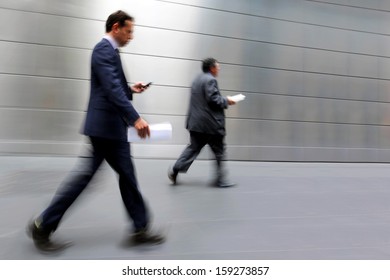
(118, 53)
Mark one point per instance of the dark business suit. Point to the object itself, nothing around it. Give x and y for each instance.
(206, 123)
(109, 114)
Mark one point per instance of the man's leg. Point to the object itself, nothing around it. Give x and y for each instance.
(76, 181)
(41, 228)
(217, 145)
(117, 154)
(197, 142)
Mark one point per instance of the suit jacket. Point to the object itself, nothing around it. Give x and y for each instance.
(206, 112)
(110, 111)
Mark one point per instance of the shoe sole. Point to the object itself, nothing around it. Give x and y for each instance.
(60, 248)
(137, 243)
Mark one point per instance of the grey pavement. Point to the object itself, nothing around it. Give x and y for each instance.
(277, 211)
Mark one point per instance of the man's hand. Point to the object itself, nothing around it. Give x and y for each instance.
(138, 87)
(230, 101)
(142, 128)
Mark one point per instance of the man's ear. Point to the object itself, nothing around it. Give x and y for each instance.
(115, 27)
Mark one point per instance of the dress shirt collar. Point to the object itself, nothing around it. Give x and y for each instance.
(112, 41)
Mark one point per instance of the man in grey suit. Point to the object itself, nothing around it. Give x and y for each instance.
(109, 114)
(206, 123)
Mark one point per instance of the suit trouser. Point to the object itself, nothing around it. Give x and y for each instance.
(197, 142)
(117, 154)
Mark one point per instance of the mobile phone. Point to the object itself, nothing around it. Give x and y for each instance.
(147, 85)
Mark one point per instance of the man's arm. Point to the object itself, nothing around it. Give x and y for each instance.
(106, 68)
(214, 97)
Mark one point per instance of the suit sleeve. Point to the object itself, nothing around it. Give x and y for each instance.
(214, 97)
(106, 66)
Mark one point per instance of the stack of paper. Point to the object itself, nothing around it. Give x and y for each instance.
(238, 97)
(158, 131)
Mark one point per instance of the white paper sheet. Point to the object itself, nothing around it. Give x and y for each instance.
(237, 97)
(158, 132)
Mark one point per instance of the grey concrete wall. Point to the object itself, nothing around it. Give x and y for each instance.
(316, 74)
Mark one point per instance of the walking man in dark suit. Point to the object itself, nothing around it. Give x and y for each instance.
(206, 123)
(109, 114)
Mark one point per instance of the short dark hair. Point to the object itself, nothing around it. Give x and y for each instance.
(208, 63)
(118, 16)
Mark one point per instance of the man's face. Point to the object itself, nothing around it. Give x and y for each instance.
(214, 70)
(124, 34)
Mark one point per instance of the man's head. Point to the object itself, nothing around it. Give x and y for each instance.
(120, 26)
(210, 65)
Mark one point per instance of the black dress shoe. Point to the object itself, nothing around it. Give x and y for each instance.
(145, 236)
(42, 240)
(172, 175)
(224, 184)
